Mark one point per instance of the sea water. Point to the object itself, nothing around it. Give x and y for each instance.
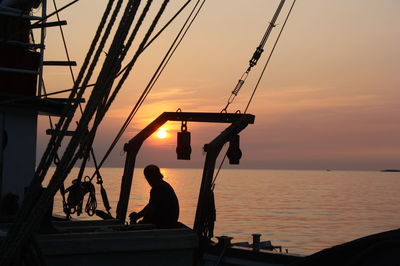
(302, 211)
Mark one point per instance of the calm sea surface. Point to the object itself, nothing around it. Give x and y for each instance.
(303, 211)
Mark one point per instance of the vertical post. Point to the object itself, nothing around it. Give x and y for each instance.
(256, 242)
(42, 38)
(2, 144)
(132, 149)
(213, 149)
(205, 187)
(126, 182)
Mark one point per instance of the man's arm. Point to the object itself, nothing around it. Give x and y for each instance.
(134, 216)
(149, 211)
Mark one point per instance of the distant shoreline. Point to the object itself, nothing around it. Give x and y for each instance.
(268, 169)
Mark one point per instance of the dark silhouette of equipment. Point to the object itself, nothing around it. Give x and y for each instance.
(234, 153)
(183, 149)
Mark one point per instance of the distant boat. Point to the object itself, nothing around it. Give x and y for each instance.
(391, 170)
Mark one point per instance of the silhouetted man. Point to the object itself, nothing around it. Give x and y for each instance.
(163, 207)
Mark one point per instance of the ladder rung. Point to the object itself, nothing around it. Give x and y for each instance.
(23, 44)
(18, 70)
(10, 9)
(12, 14)
(49, 24)
(59, 63)
(53, 131)
(61, 100)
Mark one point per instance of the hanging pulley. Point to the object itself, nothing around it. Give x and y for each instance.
(257, 54)
(76, 194)
(234, 153)
(183, 149)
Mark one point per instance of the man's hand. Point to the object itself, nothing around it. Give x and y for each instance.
(133, 217)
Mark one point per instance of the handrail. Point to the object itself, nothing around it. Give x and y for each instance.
(18, 70)
(23, 44)
(19, 15)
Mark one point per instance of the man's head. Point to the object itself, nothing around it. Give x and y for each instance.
(152, 174)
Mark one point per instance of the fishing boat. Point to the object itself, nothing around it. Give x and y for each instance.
(30, 235)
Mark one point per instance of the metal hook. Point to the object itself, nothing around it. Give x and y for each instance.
(184, 126)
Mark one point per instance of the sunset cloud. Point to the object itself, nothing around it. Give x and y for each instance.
(330, 96)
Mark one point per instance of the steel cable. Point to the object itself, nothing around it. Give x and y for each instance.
(270, 55)
(152, 81)
(26, 221)
(258, 82)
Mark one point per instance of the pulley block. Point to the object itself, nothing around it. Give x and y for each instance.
(234, 153)
(183, 149)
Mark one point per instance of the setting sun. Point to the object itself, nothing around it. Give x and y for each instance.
(162, 133)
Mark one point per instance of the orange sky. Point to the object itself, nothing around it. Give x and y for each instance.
(330, 97)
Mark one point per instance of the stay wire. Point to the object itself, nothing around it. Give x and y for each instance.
(64, 41)
(79, 104)
(153, 80)
(159, 70)
(167, 24)
(36, 203)
(269, 57)
(56, 158)
(80, 137)
(159, 32)
(125, 24)
(77, 91)
(19, 99)
(139, 50)
(167, 60)
(255, 57)
(258, 82)
(219, 169)
(52, 14)
(73, 78)
(103, 85)
(109, 69)
(101, 113)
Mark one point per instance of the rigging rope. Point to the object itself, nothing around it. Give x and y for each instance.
(256, 56)
(137, 54)
(122, 31)
(64, 42)
(74, 98)
(56, 158)
(99, 93)
(99, 179)
(120, 36)
(270, 55)
(248, 104)
(189, 21)
(129, 66)
(77, 91)
(62, 189)
(53, 13)
(27, 221)
(262, 73)
(159, 32)
(19, 99)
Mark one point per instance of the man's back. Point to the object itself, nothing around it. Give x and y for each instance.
(164, 206)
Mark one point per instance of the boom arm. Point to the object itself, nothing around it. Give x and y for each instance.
(238, 123)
